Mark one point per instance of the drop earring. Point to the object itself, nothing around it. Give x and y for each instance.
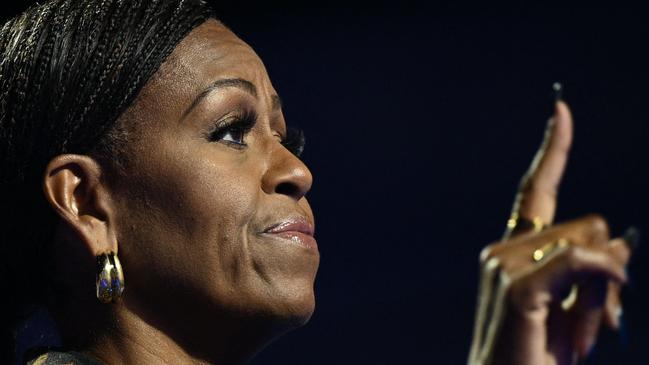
(110, 278)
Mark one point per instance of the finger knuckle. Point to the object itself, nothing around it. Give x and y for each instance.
(622, 252)
(597, 227)
(525, 294)
(488, 252)
(492, 266)
(573, 255)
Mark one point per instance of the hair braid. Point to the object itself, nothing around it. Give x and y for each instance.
(68, 70)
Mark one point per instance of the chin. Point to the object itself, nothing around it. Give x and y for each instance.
(300, 311)
(283, 286)
(292, 307)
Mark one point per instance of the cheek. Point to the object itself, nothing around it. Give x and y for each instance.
(188, 214)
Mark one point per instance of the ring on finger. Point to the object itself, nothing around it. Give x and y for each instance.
(547, 249)
(518, 223)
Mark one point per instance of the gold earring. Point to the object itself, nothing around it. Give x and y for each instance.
(110, 278)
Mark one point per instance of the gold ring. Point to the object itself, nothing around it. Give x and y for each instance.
(517, 223)
(542, 252)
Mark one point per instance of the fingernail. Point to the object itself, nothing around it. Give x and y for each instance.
(557, 88)
(632, 237)
(558, 91)
(629, 280)
(624, 335)
(617, 316)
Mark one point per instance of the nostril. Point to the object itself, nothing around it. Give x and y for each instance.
(287, 188)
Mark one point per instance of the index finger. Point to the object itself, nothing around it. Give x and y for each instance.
(538, 190)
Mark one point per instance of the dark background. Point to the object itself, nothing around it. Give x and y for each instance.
(420, 120)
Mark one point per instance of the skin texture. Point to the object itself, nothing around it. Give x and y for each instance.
(186, 215)
(520, 319)
(205, 285)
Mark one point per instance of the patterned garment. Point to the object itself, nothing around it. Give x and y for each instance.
(64, 358)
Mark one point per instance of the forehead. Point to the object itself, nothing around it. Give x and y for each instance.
(213, 48)
(208, 53)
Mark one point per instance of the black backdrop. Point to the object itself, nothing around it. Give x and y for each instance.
(420, 120)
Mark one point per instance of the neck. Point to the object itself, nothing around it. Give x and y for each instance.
(132, 338)
(135, 341)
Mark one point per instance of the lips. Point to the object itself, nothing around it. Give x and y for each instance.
(296, 230)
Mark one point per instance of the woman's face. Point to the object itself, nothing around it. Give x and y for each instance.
(207, 180)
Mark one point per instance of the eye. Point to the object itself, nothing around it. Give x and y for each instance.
(232, 130)
(294, 141)
(232, 135)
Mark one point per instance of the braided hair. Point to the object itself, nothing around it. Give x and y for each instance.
(68, 70)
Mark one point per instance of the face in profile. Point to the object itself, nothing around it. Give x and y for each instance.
(212, 219)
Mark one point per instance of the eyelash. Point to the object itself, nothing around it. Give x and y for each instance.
(236, 124)
(294, 140)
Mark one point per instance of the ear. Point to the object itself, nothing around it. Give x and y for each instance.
(74, 187)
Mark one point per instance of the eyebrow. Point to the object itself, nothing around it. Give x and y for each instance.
(238, 83)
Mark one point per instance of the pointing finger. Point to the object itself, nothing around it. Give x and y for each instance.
(537, 196)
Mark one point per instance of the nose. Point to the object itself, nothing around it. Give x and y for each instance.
(286, 175)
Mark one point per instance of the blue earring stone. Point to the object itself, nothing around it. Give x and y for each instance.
(110, 279)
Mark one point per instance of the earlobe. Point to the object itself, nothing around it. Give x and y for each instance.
(73, 186)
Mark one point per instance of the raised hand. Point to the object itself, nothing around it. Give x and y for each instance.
(545, 288)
